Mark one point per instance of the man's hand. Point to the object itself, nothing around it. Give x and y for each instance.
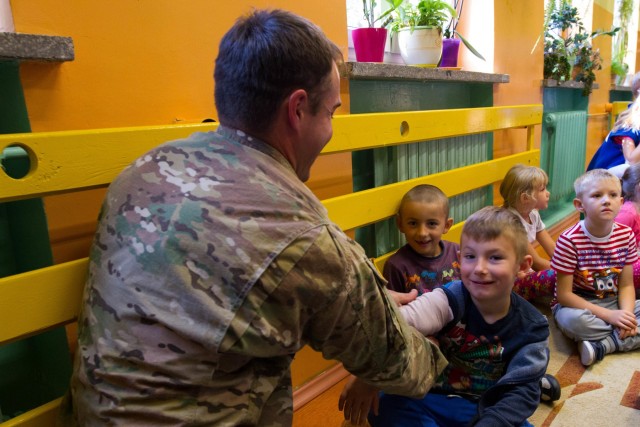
(402, 298)
(357, 399)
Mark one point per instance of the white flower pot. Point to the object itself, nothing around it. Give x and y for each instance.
(6, 18)
(422, 47)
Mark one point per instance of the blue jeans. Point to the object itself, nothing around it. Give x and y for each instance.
(434, 410)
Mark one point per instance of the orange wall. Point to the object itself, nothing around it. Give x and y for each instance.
(151, 62)
(598, 122)
(517, 26)
(139, 63)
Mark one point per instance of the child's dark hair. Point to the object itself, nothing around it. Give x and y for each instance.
(426, 193)
(491, 222)
(630, 180)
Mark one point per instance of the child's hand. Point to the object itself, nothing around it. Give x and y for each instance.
(356, 399)
(630, 151)
(626, 333)
(625, 321)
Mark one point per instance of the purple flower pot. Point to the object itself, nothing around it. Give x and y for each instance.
(369, 44)
(450, 48)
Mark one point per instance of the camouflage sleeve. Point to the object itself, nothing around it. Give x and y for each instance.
(351, 319)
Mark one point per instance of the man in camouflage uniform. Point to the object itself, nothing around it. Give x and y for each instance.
(213, 263)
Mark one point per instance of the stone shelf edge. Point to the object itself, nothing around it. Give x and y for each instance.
(35, 47)
(621, 88)
(381, 71)
(569, 84)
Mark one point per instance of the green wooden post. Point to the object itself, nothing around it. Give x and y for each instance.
(37, 369)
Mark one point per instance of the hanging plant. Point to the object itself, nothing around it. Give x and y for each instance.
(568, 49)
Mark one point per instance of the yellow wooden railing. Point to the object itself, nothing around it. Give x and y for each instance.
(614, 109)
(76, 160)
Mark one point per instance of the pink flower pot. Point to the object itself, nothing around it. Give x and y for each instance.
(369, 44)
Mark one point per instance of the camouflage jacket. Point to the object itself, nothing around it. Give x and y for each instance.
(213, 264)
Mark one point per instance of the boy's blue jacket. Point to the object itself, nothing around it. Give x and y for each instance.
(517, 394)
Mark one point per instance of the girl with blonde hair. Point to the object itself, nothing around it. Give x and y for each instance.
(524, 190)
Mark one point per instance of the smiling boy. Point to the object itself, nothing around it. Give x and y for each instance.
(494, 340)
(426, 261)
(595, 299)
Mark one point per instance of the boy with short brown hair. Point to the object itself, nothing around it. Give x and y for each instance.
(595, 301)
(494, 340)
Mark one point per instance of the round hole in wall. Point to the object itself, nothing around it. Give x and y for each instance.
(17, 160)
(404, 128)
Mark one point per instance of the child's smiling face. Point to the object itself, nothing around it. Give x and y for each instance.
(423, 224)
(488, 268)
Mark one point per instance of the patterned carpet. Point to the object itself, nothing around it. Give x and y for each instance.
(606, 393)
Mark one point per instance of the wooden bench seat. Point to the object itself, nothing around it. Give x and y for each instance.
(61, 162)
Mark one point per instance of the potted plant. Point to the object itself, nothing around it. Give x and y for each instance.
(568, 49)
(452, 39)
(369, 42)
(419, 29)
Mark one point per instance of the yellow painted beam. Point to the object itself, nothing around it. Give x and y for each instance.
(369, 206)
(617, 108)
(71, 160)
(38, 300)
(43, 416)
(360, 131)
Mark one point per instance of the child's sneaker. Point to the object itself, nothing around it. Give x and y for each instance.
(550, 388)
(590, 352)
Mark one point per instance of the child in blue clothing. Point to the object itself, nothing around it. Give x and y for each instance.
(619, 148)
(494, 340)
(426, 261)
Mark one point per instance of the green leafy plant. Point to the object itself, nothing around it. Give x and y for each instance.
(427, 13)
(568, 49)
(450, 31)
(369, 6)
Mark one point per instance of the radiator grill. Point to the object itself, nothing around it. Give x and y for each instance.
(395, 164)
(563, 158)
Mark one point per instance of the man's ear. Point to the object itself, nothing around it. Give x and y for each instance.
(577, 203)
(447, 225)
(297, 106)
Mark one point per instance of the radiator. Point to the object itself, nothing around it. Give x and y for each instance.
(563, 152)
(395, 164)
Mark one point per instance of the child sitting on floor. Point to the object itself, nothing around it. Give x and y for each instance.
(629, 214)
(524, 191)
(426, 261)
(494, 340)
(595, 299)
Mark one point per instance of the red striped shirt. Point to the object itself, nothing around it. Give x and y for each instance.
(594, 262)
